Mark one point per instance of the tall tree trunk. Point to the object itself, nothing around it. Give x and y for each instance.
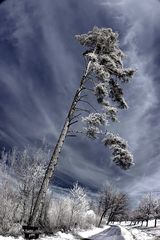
(32, 202)
(110, 218)
(155, 222)
(54, 158)
(102, 216)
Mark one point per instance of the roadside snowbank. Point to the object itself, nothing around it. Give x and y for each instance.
(140, 235)
(126, 234)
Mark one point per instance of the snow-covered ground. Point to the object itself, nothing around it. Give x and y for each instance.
(142, 232)
(140, 235)
(91, 232)
(124, 231)
(127, 233)
(65, 236)
(78, 234)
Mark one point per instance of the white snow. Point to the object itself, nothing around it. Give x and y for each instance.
(140, 235)
(10, 238)
(126, 234)
(64, 236)
(135, 232)
(142, 232)
(59, 236)
(91, 232)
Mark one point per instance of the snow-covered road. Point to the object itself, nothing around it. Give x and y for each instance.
(113, 233)
(117, 232)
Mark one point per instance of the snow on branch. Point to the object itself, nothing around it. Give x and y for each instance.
(103, 38)
(111, 112)
(95, 119)
(107, 59)
(101, 91)
(92, 131)
(116, 94)
(121, 155)
(93, 123)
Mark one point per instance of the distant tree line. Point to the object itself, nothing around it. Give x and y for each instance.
(148, 209)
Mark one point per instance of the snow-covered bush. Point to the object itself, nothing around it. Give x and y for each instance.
(80, 205)
(15, 230)
(71, 211)
(89, 219)
(59, 213)
(21, 173)
(8, 206)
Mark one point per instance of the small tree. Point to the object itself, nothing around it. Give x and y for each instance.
(136, 216)
(70, 211)
(106, 199)
(112, 203)
(29, 187)
(156, 211)
(79, 205)
(119, 207)
(103, 78)
(146, 208)
(8, 206)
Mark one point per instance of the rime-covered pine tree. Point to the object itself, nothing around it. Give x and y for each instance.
(103, 78)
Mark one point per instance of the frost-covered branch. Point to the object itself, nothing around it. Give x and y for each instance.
(121, 155)
(107, 74)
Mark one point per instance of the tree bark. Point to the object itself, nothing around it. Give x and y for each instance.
(155, 222)
(102, 216)
(110, 218)
(54, 158)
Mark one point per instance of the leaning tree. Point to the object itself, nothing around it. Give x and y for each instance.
(103, 78)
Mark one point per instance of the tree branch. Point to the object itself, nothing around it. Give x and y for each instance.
(76, 116)
(76, 132)
(73, 123)
(89, 89)
(71, 135)
(83, 110)
(83, 96)
(89, 104)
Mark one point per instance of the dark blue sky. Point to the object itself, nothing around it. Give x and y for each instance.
(40, 68)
